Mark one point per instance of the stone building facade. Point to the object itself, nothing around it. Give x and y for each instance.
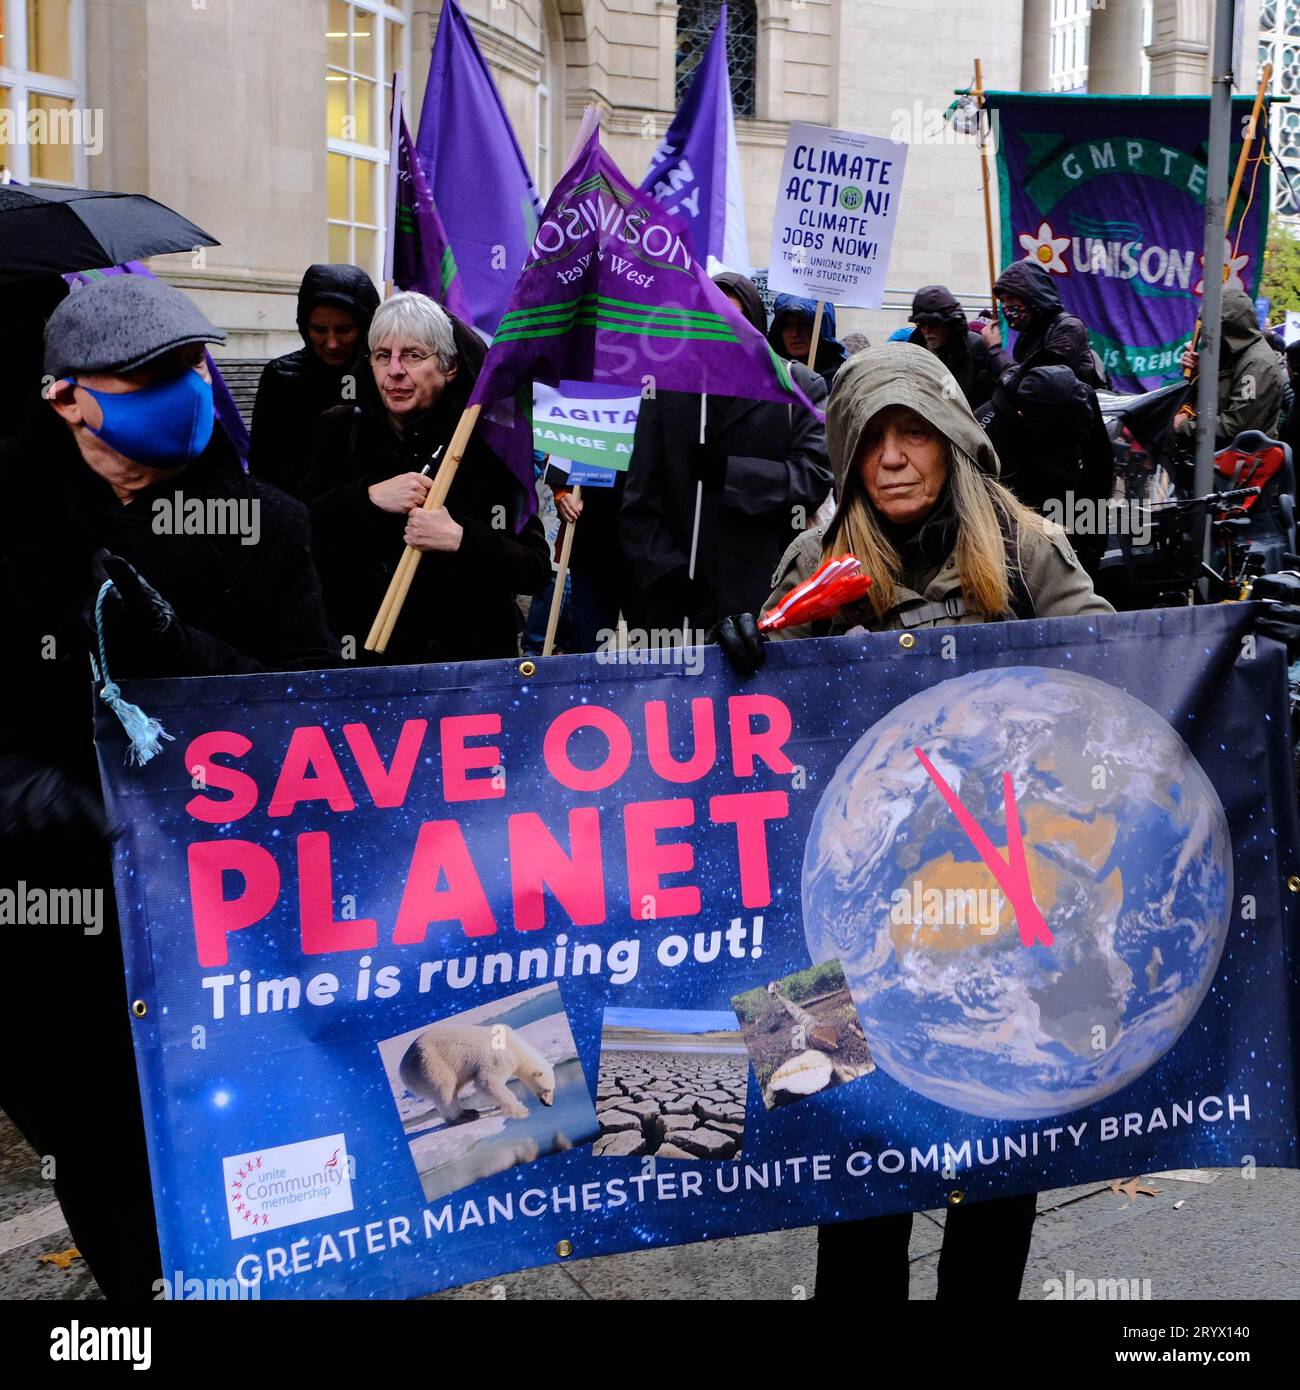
(265, 121)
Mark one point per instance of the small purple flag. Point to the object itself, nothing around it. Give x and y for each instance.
(696, 171)
(227, 412)
(612, 293)
(475, 169)
(422, 256)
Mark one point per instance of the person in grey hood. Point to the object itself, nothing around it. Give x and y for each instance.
(335, 306)
(1251, 384)
(1045, 333)
(941, 328)
(944, 543)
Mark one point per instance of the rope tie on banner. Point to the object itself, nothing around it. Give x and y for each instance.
(144, 733)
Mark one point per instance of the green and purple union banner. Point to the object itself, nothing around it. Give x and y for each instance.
(612, 293)
(1108, 195)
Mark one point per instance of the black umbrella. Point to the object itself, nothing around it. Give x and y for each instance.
(52, 230)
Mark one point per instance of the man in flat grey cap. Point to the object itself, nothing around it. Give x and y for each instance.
(122, 477)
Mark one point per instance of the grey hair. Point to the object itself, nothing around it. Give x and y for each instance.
(418, 319)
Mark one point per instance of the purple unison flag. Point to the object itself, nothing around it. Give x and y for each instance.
(480, 183)
(223, 402)
(422, 256)
(612, 293)
(1116, 216)
(696, 171)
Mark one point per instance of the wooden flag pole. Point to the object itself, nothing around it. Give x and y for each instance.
(984, 170)
(1252, 127)
(816, 333)
(390, 610)
(561, 577)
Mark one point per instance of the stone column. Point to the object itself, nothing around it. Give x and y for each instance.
(667, 13)
(1036, 46)
(769, 95)
(1180, 48)
(1115, 47)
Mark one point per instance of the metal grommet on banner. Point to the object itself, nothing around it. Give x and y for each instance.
(564, 1248)
(139, 1008)
(527, 668)
(907, 641)
(1293, 883)
(955, 1197)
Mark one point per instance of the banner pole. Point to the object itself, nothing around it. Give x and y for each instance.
(399, 586)
(561, 577)
(984, 170)
(816, 333)
(1216, 230)
(1252, 128)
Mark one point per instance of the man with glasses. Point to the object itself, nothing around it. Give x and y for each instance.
(368, 483)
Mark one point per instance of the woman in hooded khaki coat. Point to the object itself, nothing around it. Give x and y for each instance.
(944, 543)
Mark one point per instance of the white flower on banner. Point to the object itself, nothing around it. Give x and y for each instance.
(1232, 268)
(1046, 248)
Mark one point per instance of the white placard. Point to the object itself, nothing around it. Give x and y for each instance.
(835, 213)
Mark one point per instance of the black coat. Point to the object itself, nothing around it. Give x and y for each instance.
(1052, 336)
(974, 364)
(296, 389)
(247, 608)
(461, 606)
(765, 472)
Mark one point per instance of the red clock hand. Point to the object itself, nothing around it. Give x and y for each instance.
(1012, 873)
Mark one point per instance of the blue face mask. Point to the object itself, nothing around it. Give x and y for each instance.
(162, 426)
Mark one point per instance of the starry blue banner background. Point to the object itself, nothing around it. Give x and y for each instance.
(273, 1079)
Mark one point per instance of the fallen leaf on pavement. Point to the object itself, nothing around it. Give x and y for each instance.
(1132, 1187)
(62, 1258)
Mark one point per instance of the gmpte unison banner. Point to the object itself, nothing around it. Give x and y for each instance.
(1107, 194)
(443, 972)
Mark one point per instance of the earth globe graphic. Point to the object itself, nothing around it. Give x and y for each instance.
(1125, 844)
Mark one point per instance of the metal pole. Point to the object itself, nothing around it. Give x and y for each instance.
(1216, 200)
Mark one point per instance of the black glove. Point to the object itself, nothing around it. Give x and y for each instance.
(1283, 586)
(144, 631)
(741, 643)
(1280, 621)
(35, 800)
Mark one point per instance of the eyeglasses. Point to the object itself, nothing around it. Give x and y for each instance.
(408, 357)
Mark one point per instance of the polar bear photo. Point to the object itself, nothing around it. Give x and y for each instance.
(485, 1090)
(447, 1057)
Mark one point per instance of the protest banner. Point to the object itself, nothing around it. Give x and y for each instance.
(975, 910)
(418, 254)
(836, 207)
(475, 168)
(1107, 194)
(588, 430)
(695, 172)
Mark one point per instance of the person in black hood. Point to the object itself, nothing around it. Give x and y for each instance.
(1048, 432)
(1045, 333)
(335, 306)
(791, 335)
(760, 475)
(366, 488)
(941, 328)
